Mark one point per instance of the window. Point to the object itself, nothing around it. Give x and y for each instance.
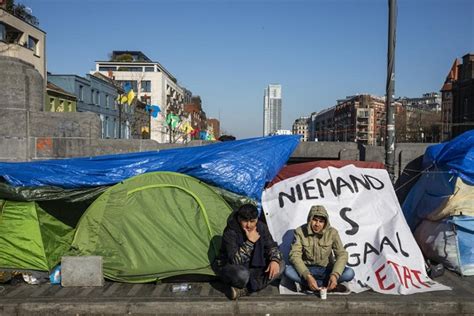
(106, 127)
(69, 106)
(107, 101)
(51, 104)
(93, 96)
(102, 120)
(146, 86)
(149, 69)
(33, 44)
(3, 32)
(81, 93)
(103, 68)
(98, 98)
(60, 106)
(115, 128)
(132, 83)
(146, 100)
(10, 34)
(132, 69)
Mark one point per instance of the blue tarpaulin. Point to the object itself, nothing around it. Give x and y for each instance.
(465, 237)
(455, 156)
(442, 165)
(242, 166)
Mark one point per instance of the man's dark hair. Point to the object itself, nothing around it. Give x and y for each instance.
(247, 212)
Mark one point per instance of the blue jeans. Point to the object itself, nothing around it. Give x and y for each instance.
(321, 274)
(241, 276)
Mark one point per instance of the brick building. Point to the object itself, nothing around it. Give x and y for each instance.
(463, 97)
(361, 119)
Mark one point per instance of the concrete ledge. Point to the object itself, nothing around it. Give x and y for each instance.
(246, 306)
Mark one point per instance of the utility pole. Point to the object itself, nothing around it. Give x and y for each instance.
(390, 90)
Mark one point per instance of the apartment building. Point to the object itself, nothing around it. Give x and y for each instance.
(153, 84)
(323, 125)
(214, 125)
(59, 100)
(301, 127)
(23, 41)
(447, 102)
(360, 118)
(463, 97)
(272, 109)
(98, 94)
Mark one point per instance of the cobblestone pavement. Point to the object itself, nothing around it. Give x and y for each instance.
(209, 298)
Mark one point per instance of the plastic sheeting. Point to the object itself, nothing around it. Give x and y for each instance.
(449, 242)
(443, 165)
(455, 156)
(242, 166)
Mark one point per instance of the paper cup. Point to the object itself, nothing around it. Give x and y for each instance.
(323, 293)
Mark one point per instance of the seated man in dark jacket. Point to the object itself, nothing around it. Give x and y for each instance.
(249, 258)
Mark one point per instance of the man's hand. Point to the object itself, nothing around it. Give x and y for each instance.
(332, 282)
(313, 285)
(273, 269)
(252, 235)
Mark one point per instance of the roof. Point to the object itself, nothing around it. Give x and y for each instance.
(9, 13)
(451, 77)
(143, 60)
(109, 80)
(53, 87)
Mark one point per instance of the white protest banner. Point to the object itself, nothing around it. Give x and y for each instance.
(363, 207)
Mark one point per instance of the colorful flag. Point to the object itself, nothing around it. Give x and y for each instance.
(130, 97)
(203, 135)
(153, 110)
(127, 86)
(186, 127)
(195, 132)
(172, 120)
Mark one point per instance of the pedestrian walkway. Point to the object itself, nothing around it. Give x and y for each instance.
(209, 298)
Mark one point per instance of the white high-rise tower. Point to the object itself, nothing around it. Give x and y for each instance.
(272, 109)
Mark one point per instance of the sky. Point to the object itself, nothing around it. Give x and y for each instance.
(228, 52)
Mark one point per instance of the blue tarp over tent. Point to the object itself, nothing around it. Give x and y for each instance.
(455, 156)
(437, 206)
(242, 166)
(442, 165)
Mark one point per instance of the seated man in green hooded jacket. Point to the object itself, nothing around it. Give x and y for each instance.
(312, 254)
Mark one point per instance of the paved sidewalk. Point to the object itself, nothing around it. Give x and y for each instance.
(209, 298)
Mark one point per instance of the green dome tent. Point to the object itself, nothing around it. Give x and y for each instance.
(30, 238)
(153, 226)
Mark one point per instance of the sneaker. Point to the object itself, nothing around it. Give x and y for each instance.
(340, 289)
(235, 293)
